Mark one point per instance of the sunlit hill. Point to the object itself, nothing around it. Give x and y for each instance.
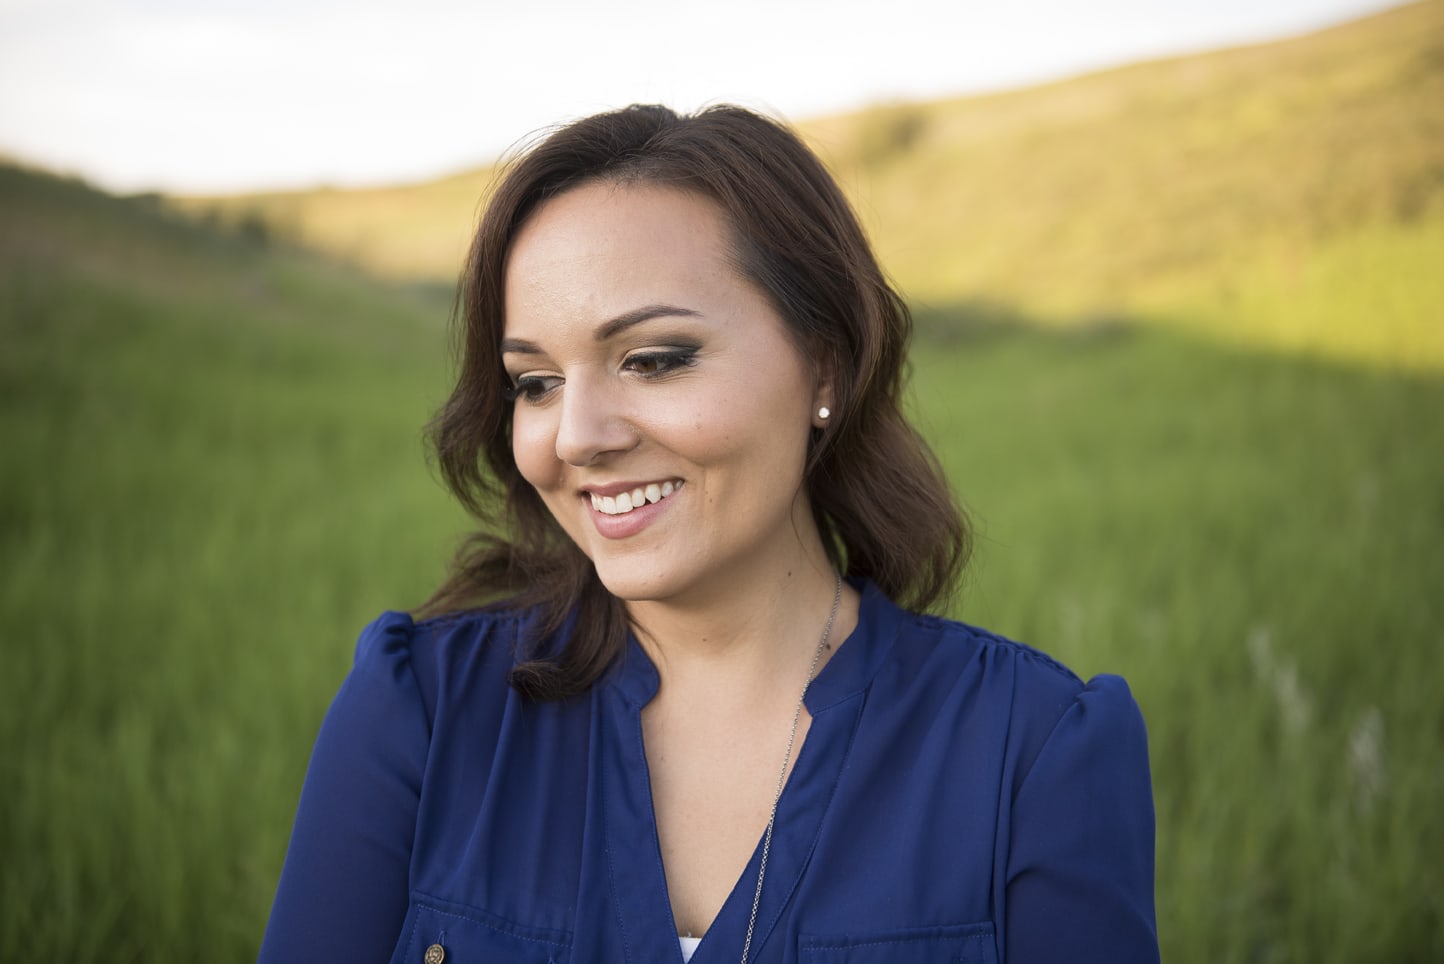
(1289, 194)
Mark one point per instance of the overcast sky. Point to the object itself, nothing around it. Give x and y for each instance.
(221, 95)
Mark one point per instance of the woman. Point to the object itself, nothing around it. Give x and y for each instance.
(678, 422)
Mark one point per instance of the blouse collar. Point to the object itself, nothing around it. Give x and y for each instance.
(848, 672)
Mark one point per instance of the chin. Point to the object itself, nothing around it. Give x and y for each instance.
(629, 588)
(630, 582)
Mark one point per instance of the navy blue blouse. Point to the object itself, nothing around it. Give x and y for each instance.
(959, 797)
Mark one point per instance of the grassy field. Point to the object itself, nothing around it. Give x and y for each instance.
(213, 477)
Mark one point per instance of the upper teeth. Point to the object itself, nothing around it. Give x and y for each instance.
(627, 501)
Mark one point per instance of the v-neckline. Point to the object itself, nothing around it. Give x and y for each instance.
(637, 876)
(634, 850)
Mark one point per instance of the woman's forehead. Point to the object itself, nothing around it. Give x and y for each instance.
(600, 217)
(602, 249)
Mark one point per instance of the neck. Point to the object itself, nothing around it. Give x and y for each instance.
(752, 639)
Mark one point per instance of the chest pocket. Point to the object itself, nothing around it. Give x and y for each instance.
(443, 934)
(948, 944)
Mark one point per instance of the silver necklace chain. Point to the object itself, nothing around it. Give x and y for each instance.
(787, 758)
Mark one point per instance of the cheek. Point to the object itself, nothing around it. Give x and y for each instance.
(764, 417)
(533, 447)
(766, 442)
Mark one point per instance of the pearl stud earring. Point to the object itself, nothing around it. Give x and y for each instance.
(824, 413)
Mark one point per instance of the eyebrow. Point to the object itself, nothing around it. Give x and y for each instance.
(609, 329)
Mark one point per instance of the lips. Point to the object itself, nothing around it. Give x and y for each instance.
(628, 500)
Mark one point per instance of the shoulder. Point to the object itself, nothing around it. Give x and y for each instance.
(1034, 697)
(1023, 673)
(974, 642)
(473, 650)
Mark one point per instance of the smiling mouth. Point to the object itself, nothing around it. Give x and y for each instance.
(625, 502)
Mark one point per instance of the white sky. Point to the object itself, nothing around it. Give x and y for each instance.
(221, 95)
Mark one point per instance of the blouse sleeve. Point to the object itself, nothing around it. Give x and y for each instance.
(343, 892)
(1080, 868)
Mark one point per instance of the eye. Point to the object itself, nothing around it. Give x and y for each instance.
(533, 389)
(655, 363)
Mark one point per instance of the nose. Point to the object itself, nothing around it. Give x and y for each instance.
(592, 423)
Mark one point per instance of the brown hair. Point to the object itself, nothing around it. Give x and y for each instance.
(877, 492)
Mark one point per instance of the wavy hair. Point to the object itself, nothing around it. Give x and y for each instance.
(877, 492)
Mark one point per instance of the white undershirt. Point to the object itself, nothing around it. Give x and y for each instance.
(689, 946)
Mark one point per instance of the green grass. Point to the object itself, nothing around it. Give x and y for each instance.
(214, 477)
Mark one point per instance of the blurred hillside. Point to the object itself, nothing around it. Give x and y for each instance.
(1289, 194)
(410, 231)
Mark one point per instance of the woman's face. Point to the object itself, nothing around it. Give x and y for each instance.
(662, 410)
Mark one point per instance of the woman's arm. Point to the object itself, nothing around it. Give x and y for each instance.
(344, 890)
(1080, 867)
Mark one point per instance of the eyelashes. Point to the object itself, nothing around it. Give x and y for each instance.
(658, 362)
(651, 364)
(531, 388)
